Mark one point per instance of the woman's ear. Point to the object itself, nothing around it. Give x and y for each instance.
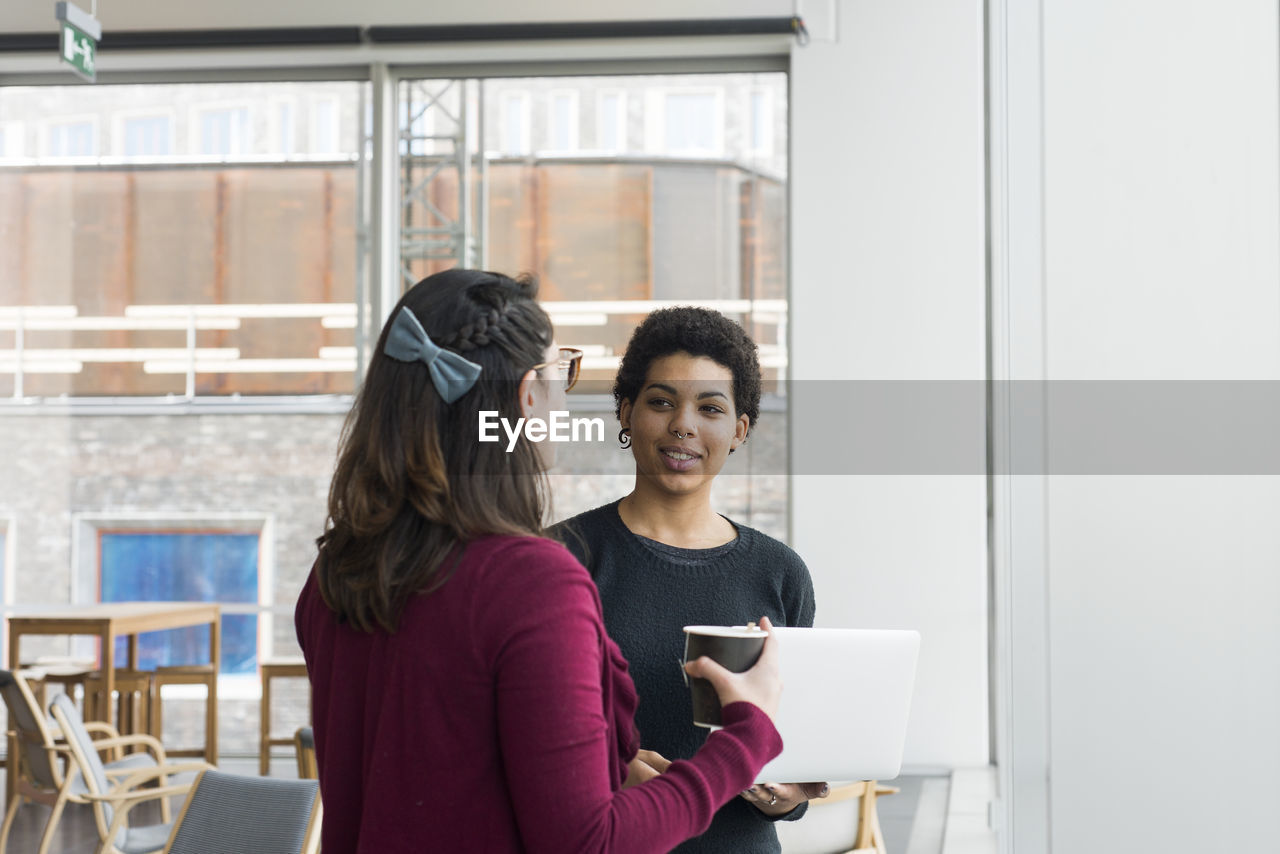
(526, 393)
(624, 414)
(740, 429)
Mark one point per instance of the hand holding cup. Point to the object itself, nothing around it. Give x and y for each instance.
(760, 685)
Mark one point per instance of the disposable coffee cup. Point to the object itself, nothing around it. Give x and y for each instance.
(735, 648)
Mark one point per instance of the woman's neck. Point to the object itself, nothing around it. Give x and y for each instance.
(684, 521)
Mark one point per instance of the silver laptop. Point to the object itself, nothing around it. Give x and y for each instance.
(846, 697)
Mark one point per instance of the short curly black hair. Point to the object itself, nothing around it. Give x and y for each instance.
(698, 332)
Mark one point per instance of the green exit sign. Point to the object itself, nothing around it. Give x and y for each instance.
(81, 33)
(77, 51)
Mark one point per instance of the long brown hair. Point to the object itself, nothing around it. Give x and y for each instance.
(413, 484)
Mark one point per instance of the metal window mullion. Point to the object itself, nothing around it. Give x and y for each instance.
(385, 280)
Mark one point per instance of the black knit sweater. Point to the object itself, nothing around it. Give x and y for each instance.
(650, 591)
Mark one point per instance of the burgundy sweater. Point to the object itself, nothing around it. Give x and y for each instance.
(498, 718)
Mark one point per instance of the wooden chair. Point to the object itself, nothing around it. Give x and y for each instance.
(304, 742)
(47, 670)
(290, 668)
(235, 814)
(187, 674)
(113, 799)
(42, 777)
(132, 699)
(835, 825)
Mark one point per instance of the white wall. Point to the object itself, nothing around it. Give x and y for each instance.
(1161, 204)
(1163, 262)
(888, 283)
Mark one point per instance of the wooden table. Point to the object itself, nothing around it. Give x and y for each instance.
(108, 621)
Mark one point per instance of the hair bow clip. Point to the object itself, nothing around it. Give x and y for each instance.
(451, 374)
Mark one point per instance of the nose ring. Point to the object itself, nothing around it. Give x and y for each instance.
(680, 435)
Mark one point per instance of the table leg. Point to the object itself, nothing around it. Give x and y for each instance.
(211, 712)
(11, 770)
(109, 675)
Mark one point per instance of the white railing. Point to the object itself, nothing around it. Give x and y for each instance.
(191, 360)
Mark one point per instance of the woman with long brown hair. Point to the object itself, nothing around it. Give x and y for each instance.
(465, 694)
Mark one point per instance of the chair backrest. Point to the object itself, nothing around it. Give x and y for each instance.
(304, 742)
(84, 757)
(235, 814)
(35, 741)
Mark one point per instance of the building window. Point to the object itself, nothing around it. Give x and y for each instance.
(71, 139)
(324, 126)
(513, 131)
(145, 135)
(185, 566)
(285, 135)
(760, 138)
(10, 139)
(611, 121)
(692, 124)
(562, 121)
(223, 131)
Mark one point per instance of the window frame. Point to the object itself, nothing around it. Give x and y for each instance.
(656, 121)
(195, 137)
(14, 132)
(86, 560)
(275, 128)
(120, 117)
(620, 121)
(526, 115)
(767, 149)
(575, 121)
(46, 136)
(314, 129)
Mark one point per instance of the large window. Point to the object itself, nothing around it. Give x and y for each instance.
(183, 296)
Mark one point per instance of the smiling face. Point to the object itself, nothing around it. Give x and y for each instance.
(690, 397)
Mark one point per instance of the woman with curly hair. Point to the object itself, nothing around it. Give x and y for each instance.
(465, 694)
(687, 394)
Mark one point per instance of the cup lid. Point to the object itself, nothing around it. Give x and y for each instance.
(727, 631)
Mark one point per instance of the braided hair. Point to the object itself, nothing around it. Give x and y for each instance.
(413, 484)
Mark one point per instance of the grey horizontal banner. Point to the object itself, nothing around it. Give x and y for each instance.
(1056, 428)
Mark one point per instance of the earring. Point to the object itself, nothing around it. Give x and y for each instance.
(624, 437)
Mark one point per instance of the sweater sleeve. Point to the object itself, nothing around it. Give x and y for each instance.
(797, 593)
(548, 658)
